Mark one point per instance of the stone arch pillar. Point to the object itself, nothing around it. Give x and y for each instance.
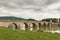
(50, 24)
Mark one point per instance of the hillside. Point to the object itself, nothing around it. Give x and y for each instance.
(14, 18)
(10, 18)
(8, 34)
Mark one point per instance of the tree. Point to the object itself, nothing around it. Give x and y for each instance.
(48, 19)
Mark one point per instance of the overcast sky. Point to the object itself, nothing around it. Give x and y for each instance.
(35, 9)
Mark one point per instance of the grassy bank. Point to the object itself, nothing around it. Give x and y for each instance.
(8, 34)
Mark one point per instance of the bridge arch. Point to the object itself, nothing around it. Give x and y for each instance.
(44, 26)
(48, 25)
(40, 25)
(24, 26)
(59, 26)
(12, 26)
(33, 27)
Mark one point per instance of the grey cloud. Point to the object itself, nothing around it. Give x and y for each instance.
(51, 1)
(58, 9)
(21, 3)
(33, 7)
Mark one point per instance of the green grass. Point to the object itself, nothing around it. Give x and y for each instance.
(8, 34)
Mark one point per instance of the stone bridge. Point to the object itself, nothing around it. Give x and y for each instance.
(30, 25)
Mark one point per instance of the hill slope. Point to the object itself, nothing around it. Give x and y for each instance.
(8, 34)
(14, 18)
(10, 18)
